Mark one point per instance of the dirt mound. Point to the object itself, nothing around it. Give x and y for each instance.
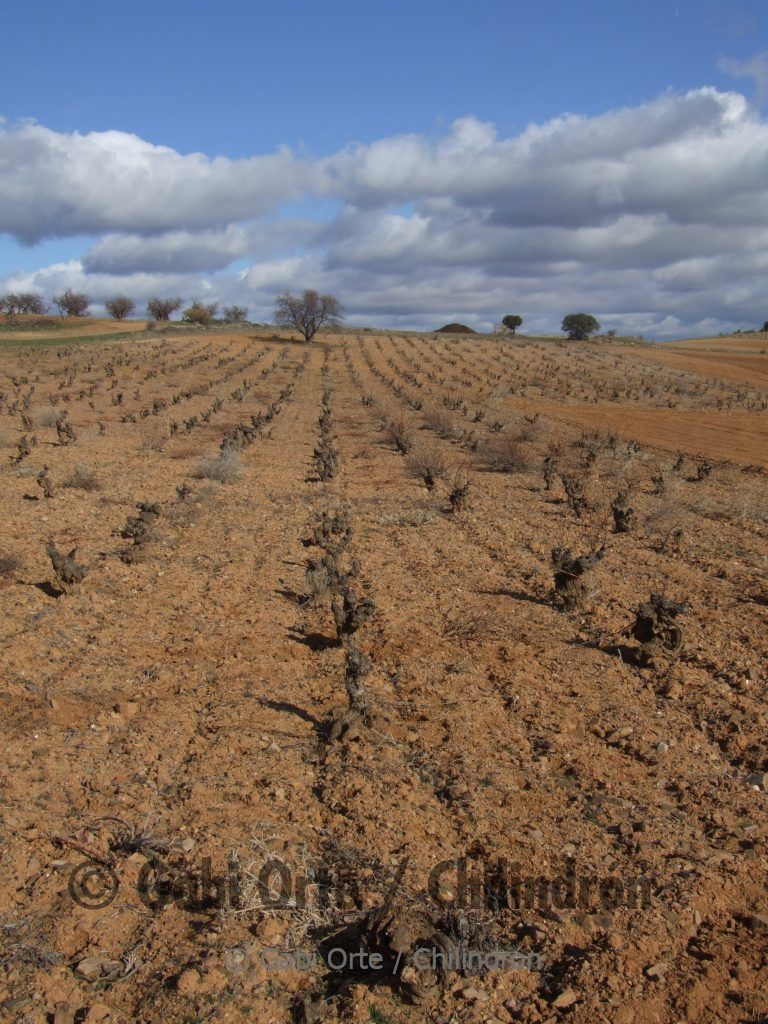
(455, 329)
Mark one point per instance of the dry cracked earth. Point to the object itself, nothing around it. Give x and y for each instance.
(333, 688)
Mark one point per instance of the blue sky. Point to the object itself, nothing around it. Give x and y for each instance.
(242, 77)
(238, 81)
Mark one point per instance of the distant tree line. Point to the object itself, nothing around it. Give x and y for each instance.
(578, 326)
(305, 313)
(119, 307)
(22, 302)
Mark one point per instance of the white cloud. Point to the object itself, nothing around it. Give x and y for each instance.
(755, 68)
(72, 274)
(188, 251)
(54, 184)
(653, 215)
(194, 251)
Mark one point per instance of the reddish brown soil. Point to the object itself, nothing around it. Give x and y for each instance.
(175, 708)
(740, 437)
(756, 342)
(738, 364)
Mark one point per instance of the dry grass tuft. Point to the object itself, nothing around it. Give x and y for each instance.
(152, 435)
(83, 478)
(410, 517)
(505, 454)
(400, 431)
(427, 463)
(10, 565)
(466, 625)
(223, 468)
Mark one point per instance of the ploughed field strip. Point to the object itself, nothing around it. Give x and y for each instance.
(373, 680)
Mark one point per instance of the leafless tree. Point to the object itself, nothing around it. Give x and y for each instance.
(235, 314)
(71, 303)
(120, 307)
(161, 309)
(308, 312)
(22, 302)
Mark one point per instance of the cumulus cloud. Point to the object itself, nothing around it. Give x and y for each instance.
(72, 274)
(755, 68)
(653, 217)
(193, 251)
(54, 184)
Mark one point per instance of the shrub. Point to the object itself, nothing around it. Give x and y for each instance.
(69, 573)
(576, 493)
(357, 668)
(663, 481)
(9, 564)
(47, 418)
(550, 470)
(200, 314)
(400, 431)
(624, 518)
(594, 443)
(441, 421)
(572, 591)
(64, 430)
(351, 612)
(458, 489)
(333, 532)
(507, 454)
(656, 630)
(326, 456)
(224, 468)
(427, 463)
(83, 478)
(139, 529)
(24, 448)
(45, 483)
(320, 576)
(153, 435)
(348, 725)
(703, 470)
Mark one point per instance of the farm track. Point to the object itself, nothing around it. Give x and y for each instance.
(187, 697)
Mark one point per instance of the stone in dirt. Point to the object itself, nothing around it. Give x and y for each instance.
(188, 982)
(97, 1013)
(474, 995)
(657, 971)
(94, 967)
(565, 999)
(64, 1014)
